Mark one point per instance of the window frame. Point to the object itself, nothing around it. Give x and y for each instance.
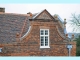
(0, 50)
(44, 38)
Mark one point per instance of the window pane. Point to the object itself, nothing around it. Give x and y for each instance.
(42, 41)
(46, 40)
(46, 44)
(42, 38)
(46, 32)
(42, 32)
(44, 35)
(42, 44)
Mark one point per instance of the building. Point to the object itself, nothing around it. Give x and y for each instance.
(39, 34)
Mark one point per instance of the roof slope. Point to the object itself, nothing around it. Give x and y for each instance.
(10, 24)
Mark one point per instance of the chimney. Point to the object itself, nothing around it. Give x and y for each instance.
(65, 23)
(67, 35)
(2, 10)
(65, 26)
(56, 17)
(29, 14)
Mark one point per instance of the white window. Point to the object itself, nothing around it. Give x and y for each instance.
(44, 38)
(0, 49)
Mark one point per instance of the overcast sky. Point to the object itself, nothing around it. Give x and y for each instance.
(63, 10)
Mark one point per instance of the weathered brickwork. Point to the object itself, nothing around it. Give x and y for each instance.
(44, 16)
(29, 45)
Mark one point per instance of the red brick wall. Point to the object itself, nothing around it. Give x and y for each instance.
(30, 45)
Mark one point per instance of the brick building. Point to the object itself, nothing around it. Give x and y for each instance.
(39, 34)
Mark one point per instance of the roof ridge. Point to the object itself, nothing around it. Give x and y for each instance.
(41, 13)
(38, 14)
(14, 13)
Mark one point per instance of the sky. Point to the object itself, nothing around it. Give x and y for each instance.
(63, 10)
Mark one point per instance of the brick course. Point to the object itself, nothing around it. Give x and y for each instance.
(30, 45)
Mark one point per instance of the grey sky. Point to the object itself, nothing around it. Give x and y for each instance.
(63, 10)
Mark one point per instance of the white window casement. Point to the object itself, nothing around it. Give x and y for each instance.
(44, 38)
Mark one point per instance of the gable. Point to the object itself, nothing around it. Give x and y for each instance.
(43, 15)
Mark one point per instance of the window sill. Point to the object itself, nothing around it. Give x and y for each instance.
(44, 47)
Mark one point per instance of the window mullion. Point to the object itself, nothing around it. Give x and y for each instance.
(45, 35)
(44, 40)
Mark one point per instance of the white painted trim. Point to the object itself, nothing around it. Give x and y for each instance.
(44, 39)
(65, 31)
(37, 14)
(0, 49)
(60, 19)
(44, 46)
(26, 33)
(60, 33)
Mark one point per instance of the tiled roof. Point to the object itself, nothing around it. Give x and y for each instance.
(10, 24)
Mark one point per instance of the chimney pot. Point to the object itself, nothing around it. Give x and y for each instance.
(66, 35)
(72, 35)
(29, 14)
(2, 9)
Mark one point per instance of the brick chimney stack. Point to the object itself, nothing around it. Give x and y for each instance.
(29, 14)
(2, 10)
(67, 35)
(65, 23)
